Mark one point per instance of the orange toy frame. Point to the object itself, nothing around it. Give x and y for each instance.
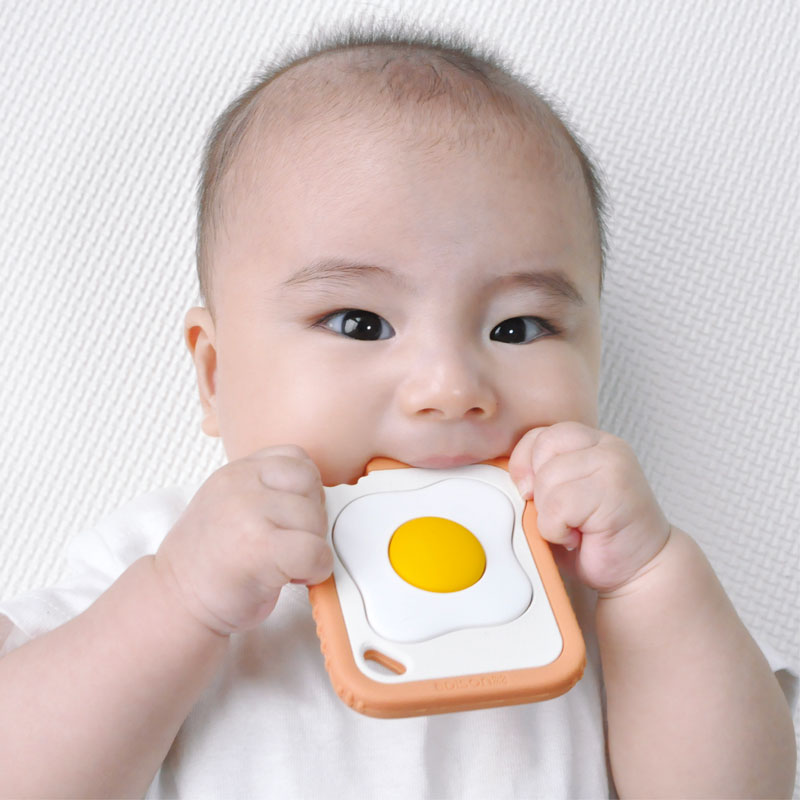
(458, 692)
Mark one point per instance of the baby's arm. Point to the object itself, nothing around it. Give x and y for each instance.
(693, 707)
(91, 709)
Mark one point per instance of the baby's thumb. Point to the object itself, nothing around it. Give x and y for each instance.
(520, 463)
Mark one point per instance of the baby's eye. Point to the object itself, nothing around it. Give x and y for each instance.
(358, 324)
(521, 330)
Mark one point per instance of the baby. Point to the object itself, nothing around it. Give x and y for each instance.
(400, 250)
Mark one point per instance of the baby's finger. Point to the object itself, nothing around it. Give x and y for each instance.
(299, 557)
(539, 445)
(519, 462)
(563, 437)
(288, 469)
(291, 450)
(564, 509)
(568, 467)
(295, 512)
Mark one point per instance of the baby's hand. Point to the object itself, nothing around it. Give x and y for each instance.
(590, 494)
(254, 525)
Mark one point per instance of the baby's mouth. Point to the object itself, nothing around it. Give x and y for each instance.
(445, 462)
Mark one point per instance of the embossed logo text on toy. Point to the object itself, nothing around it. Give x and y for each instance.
(470, 682)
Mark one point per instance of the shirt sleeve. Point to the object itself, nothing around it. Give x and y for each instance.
(95, 559)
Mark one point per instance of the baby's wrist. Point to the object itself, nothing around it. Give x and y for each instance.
(180, 605)
(639, 578)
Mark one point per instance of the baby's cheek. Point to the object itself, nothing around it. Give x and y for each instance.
(240, 436)
(563, 387)
(251, 414)
(339, 453)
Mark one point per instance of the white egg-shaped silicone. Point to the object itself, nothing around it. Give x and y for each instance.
(521, 637)
(401, 612)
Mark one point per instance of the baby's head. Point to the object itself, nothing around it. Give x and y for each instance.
(400, 251)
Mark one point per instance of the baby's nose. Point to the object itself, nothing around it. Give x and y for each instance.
(447, 389)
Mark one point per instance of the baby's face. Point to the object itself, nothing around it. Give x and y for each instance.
(375, 299)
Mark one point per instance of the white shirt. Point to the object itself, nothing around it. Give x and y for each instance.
(271, 725)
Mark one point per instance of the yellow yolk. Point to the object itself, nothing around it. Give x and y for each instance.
(436, 554)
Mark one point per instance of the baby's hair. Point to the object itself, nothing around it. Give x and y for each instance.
(224, 142)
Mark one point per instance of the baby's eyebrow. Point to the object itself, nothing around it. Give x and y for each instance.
(550, 282)
(338, 270)
(553, 283)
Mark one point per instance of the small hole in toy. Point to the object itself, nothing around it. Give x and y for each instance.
(381, 663)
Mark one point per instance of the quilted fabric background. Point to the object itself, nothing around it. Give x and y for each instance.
(691, 109)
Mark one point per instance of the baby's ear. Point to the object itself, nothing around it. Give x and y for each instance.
(200, 336)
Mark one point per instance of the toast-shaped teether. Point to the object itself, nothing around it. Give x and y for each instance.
(443, 597)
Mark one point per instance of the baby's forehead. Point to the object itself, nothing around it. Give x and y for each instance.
(430, 103)
(417, 83)
(414, 97)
